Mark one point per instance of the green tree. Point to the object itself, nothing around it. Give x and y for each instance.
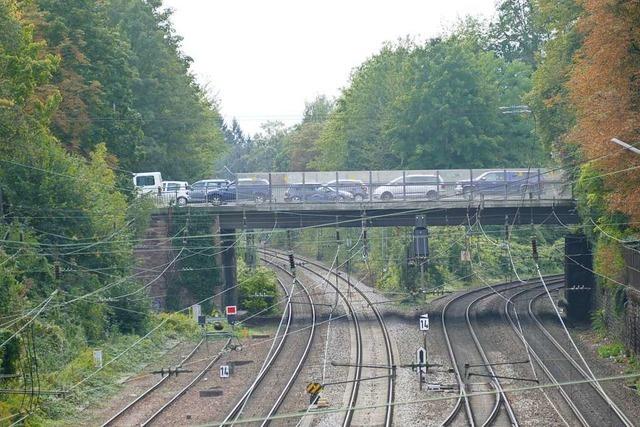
(549, 95)
(353, 136)
(95, 78)
(181, 125)
(258, 288)
(302, 142)
(516, 34)
(427, 106)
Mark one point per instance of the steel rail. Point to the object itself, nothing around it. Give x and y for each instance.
(353, 396)
(233, 415)
(538, 359)
(150, 390)
(305, 355)
(385, 333)
(485, 359)
(462, 397)
(595, 385)
(186, 388)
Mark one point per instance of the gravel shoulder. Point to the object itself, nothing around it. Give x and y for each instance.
(133, 386)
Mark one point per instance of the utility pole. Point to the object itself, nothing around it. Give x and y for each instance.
(250, 250)
(348, 269)
(337, 257)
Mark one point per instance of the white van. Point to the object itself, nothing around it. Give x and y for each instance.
(147, 182)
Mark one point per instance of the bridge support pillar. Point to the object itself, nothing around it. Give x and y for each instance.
(579, 279)
(228, 240)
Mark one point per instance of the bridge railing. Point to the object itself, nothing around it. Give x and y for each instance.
(387, 186)
(408, 185)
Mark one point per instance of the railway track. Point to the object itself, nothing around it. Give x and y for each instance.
(274, 381)
(143, 416)
(465, 347)
(357, 372)
(369, 361)
(584, 404)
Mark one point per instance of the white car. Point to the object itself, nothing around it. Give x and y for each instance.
(411, 186)
(176, 191)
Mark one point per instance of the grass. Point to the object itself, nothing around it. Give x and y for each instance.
(52, 410)
(612, 350)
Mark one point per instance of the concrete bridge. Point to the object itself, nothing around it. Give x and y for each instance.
(513, 196)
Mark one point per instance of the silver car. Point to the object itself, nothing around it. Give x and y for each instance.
(411, 187)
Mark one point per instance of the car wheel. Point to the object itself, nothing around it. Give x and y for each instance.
(260, 198)
(358, 198)
(216, 199)
(296, 199)
(386, 196)
(182, 201)
(432, 195)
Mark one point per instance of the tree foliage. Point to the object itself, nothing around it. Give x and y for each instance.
(516, 34)
(427, 106)
(124, 82)
(85, 88)
(605, 89)
(258, 289)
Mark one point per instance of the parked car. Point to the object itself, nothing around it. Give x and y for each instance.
(411, 186)
(243, 189)
(315, 193)
(176, 191)
(300, 192)
(147, 182)
(356, 187)
(501, 182)
(198, 191)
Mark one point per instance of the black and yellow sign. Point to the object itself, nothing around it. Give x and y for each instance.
(314, 388)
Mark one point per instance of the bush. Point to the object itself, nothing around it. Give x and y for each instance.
(257, 288)
(611, 350)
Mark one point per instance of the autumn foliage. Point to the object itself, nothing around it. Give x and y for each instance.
(605, 90)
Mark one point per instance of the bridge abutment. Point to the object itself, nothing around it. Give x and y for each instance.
(579, 277)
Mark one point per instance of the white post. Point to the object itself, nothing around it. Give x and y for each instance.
(625, 145)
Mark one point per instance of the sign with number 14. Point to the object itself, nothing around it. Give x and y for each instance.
(424, 322)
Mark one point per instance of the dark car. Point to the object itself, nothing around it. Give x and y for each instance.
(300, 192)
(501, 182)
(315, 193)
(245, 189)
(356, 187)
(197, 192)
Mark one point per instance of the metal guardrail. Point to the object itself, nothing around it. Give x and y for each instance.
(388, 186)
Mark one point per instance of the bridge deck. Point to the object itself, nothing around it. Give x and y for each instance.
(386, 214)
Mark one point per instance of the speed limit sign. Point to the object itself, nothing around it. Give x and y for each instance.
(424, 322)
(224, 371)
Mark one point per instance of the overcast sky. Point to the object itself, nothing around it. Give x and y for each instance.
(264, 59)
